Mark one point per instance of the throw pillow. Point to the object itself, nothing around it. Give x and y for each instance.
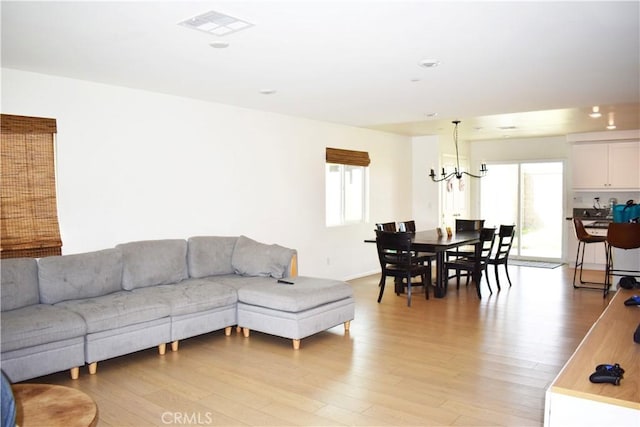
(251, 258)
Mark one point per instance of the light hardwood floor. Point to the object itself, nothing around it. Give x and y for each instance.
(451, 361)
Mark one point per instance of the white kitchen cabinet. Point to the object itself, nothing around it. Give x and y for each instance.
(606, 166)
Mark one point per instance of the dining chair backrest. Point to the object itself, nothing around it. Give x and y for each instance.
(386, 226)
(409, 226)
(624, 235)
(487, 238)
(393, 248)
(506, 234)
(469, 224)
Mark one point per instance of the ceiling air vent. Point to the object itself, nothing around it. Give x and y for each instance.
(216, 23)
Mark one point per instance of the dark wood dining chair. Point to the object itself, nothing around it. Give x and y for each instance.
(386, 226)
(506, 235)
(465, 225)
(408, 226)
(398, 261)
(469, 224)
(470, 263)
(424, 257)
(625, 236)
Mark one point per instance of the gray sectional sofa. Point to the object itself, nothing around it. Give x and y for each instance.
(62, 312)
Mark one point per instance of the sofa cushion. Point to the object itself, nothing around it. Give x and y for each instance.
(39, 324)
(85, 275)
(153, 262)
(19, 283)
(251, 258)
(236, 281)
(210, 255)
(305, 293)
(193, 296)
(117, 310)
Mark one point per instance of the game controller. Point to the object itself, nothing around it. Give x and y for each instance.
(600, 377)
(606, 373)
(634, 300)
(611, 370)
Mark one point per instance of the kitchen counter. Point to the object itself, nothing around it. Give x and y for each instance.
(592, 218)
(593, 223)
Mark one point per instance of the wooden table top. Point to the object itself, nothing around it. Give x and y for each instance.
(53, 405)
(609, 341)
(431, 240)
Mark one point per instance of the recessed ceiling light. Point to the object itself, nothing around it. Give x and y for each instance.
(431, 115)
(218, 44)
(267, 91)
(216, 23)
(595, 112)
(508, 127)
(429, 63)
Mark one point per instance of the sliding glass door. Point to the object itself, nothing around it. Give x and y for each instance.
(530, 196)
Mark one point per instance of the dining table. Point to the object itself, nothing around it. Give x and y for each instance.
(440, 243)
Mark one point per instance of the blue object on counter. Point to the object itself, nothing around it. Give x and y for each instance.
(625, 213)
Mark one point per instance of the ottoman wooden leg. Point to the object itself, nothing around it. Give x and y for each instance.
(227, 331)
(162, 349)
(296, 344)
(246, 332)
(93, 368)
(347, 325)
(75, 372)
(174, 345)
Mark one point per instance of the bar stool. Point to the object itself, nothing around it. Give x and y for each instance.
(584, 238)
(622, 236)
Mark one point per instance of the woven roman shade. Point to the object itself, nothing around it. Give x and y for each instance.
(347, 157)
(28, 210)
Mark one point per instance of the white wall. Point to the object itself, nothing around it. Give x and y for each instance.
(523, 149)
(426, 155)
(517, 150)
(138, 165)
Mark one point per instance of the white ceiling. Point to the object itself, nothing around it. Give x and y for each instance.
(539, 66)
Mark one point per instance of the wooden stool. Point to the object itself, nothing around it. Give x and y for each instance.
(53, 405)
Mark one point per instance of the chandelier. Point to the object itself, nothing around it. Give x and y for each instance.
(458, 173)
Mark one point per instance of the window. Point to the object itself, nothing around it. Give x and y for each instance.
(346, 177)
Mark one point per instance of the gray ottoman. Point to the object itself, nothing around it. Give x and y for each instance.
(295, 311)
